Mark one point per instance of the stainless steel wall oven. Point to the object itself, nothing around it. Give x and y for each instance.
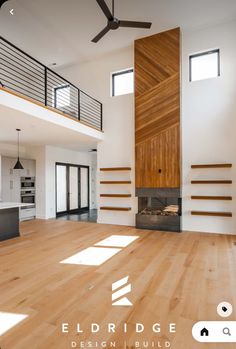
(27, 182)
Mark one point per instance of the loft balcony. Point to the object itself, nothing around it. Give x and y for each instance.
(25, 77)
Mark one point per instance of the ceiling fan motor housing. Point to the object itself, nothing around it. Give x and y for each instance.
(113, 23)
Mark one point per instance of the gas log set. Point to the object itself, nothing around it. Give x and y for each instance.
(171, 210)
(159, 209)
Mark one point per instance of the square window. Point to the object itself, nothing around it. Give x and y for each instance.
(204, 65)
(62, 96)
(123, 82)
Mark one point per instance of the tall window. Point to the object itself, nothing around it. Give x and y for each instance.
(123, 82)
(204, 65)
(62, 96)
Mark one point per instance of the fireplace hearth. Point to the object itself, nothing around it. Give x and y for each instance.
(159, 209)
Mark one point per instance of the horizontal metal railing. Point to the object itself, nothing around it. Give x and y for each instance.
(25, 75)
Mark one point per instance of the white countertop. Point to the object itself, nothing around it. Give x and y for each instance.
(5, 205)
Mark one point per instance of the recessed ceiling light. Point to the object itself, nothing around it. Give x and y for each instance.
(52, 64)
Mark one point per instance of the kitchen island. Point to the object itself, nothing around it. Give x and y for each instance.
(9, 219)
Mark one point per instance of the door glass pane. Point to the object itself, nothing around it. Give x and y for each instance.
(61, 189)
(74, 187)
(84, 187)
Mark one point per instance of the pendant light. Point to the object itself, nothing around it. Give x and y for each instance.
(18, 165)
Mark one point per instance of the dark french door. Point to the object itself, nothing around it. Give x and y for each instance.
(72, 188)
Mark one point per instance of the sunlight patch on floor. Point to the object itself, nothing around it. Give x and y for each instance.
(9, 320)
(92, 256)
(117, 241)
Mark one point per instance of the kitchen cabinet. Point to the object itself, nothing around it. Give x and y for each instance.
(9, 218)
(29, 168)
(11, 186)
(27, 214)
(7, 166)
(9, 223)
(9, 163)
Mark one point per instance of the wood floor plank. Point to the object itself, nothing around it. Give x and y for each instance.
(175, 278)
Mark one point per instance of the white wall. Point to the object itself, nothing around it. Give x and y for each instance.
(117, 149)
(208, 125)
(53, 155)
(209, 129)
(0, 177)
(39, 154)
(93, 181)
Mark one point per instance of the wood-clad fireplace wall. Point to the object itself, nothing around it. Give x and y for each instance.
(157, 110)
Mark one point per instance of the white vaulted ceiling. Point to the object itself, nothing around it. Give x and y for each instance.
(61, 30)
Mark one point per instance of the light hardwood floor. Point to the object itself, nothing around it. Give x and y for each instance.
(175, 278)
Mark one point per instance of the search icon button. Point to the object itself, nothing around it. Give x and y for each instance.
(226, 331)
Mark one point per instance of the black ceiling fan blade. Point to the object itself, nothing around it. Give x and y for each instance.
(105, 9)
(101, 34)
(2, 2)
(133, 24)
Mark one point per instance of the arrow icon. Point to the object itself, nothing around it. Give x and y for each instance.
(12, 11)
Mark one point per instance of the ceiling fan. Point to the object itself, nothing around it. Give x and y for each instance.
(114, 23)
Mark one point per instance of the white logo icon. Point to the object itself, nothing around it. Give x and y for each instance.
(121, 290)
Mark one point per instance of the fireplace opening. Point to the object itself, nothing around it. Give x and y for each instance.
(159, 206)
(159, 209)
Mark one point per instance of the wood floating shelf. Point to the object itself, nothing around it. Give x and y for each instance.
(109, 208)
(115, 195)
(197, 197)
(115, 182)
(107, 169)
(212, 166)
(211, 182)
(215, 214)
